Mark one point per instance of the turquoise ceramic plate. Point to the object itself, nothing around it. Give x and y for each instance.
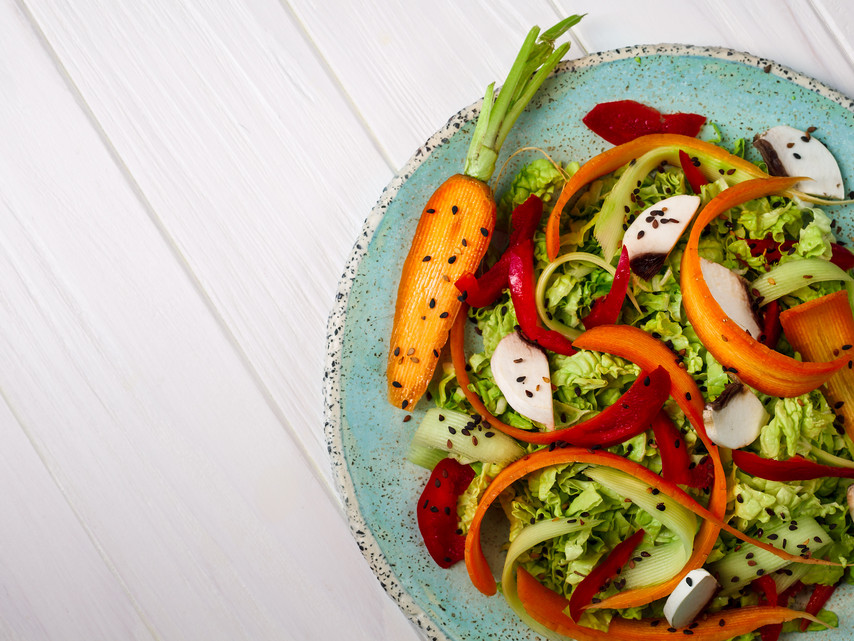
(367, 437)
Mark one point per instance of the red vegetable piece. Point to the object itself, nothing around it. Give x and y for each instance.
(521, 281)
(796, 468)
(684, 124)
(767, 590)
(437, 511)
(626, 418)
(771, 327)
(820, 595)
(599, 576)
(606, 309)
(483, 291)
(621, 121)
(789, 593)
(842, 257)
(676, 465)
(692, 173)
(769, 247)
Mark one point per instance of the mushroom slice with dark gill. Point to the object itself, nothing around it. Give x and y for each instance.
(735, 418)
(521, 371)
(790, 152)
(655, 231)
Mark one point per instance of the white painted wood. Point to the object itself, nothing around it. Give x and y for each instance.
(46, 555)
(417, 63)
(791, 32)
(207, 518)
(249, 158)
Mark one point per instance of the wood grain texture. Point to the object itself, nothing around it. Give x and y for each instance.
(794, 33)
(249, 159)
(207, 519)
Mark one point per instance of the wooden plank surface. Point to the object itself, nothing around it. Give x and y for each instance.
(181, 182)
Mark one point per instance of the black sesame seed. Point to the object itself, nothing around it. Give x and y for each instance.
(689, 581)
(797, 156)
(484, 231)
(425, 259)
(660, 507)
(443, 315)
(452, 260)
(529, 393)
(432, 303)
(404, 405)
(640, 234)
(431, 211)
(646, 381)
(396, 384)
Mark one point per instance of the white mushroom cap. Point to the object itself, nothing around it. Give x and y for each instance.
(655, 231)
(730, 291)
(689, 598)
(521, 371)
(790, 152)
(736, 417)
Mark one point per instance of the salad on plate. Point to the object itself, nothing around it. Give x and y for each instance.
(644, 360)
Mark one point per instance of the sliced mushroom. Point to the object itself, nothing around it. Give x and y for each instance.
(689, 598)
(731, 292)
(655, 231)
(735, 418)
(790, 152)
(521, 371)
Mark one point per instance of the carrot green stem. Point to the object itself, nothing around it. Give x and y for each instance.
(536, 60)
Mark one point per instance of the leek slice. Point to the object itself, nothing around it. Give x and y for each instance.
(740, 567)
(665, 561)
(791, 276)
(449, 432)
(543, 282)
(529, 537)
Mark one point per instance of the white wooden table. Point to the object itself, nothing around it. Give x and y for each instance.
(181, 182)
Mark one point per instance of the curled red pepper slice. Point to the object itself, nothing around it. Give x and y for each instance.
(796, 468)
(437, 511)
(692, 173)
(620, 121)
(521, 281)
(819, 596)
(629, 416)
(771, 327)
(841, 256)
(606, 309)
(767, 589)
(598, 578)
(483, 291)
(676, 464)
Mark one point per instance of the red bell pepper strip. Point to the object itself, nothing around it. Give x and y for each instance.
(819, 596)
(437, 511)
(547, 607)
(483, 291)
(789, 593)
(771, 327)
(676, 465)
(841, 257)
(476, 563)
(606, 309)
(620, 121)
(796, 468)
(599, 576)
(627, 417)
(693, 175)
(767, 589)
(770, 248)
(521, 281)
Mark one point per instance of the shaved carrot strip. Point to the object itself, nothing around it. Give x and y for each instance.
(478, 568)
(832, 313)
(616, 157)
(547, 607)
(756, 364)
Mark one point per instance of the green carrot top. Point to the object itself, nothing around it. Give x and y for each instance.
(535, 61)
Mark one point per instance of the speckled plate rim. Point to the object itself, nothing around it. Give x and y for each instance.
(337, 318)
